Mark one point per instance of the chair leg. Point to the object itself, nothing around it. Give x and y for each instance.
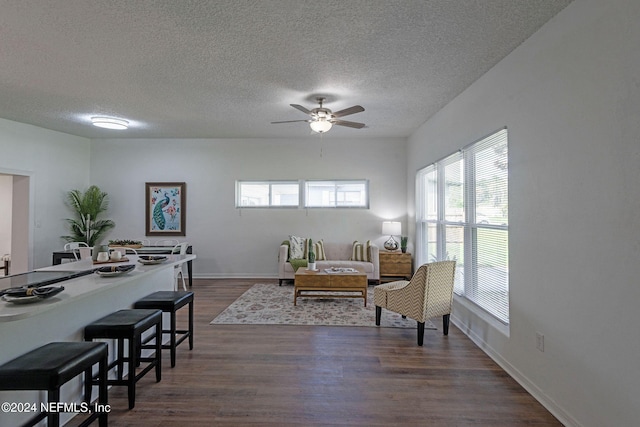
(445, 324)
(420, 333)
(378, 315)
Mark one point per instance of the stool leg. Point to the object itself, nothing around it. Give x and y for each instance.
(120, 345)
(103, 398)
(191, 325)
(53, 418)
(172, 339)
(88, 384)
(131, 379)
(159, 351)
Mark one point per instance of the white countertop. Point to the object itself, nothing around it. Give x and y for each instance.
(75, 290)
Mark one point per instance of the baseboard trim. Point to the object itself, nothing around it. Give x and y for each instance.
(562, 416)
(234, 276)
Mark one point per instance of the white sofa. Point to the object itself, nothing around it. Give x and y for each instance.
(338, 255)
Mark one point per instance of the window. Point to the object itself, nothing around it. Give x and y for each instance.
(462, 214)
(267, 194)
(331, 194)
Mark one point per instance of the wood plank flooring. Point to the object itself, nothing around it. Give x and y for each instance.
(273, 375)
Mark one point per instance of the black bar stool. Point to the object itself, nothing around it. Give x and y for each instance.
(129, 325)
(170, 302)
(50, 366)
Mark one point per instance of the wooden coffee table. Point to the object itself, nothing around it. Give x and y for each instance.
(311, 282)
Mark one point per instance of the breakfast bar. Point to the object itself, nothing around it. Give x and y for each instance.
(62, 317)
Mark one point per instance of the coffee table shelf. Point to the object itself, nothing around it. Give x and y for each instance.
(317, 283)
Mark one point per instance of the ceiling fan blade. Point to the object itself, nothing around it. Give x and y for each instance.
(348, 124)
(290, 121)
(301, 108)
(347, 111)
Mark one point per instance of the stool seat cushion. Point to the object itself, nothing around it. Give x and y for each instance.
(51, 365)
(165, 300)
(122, 323)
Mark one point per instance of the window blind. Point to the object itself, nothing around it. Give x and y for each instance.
(462, 215)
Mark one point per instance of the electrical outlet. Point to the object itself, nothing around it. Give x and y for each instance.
(540, 341)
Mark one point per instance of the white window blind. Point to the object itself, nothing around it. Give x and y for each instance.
(462, 215)
(267, 194)
(332, 194)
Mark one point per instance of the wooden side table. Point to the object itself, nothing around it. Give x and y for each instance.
(394, 265)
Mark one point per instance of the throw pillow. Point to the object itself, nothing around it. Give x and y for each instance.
(297, 247)
(361, 251)
(320, 255)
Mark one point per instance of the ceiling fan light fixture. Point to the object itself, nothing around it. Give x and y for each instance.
(110, 123)
(321, 125)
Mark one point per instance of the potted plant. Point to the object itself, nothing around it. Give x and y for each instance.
(88, 207)
(403, 243)
(311, 265)
(126, 243)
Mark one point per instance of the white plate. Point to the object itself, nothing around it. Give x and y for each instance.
(21, 300)
(112, 273)
(152, 261)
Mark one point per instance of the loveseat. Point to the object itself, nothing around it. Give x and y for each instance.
(337, 255)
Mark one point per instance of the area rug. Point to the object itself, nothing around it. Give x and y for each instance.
(270, 304)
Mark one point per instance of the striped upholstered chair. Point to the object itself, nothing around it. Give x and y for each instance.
(428, 294)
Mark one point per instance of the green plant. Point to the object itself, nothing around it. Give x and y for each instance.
(403, 241)
(87, 207)
(312, 254)
(124, 242)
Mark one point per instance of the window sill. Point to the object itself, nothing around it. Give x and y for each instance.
(482, 315)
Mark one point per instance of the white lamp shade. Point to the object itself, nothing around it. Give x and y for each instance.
(391, 228)
(321, 125)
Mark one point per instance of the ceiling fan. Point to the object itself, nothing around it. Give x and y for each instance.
(322, 119)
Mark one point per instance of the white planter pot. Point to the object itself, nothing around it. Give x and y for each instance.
(311, 266)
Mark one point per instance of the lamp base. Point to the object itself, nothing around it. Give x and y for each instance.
(391, 244)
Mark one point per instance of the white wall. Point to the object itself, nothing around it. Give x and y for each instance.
(244, 243)
(570, 97)
(55, 163)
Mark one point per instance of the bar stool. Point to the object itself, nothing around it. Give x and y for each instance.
(129, 325)
(170, 302)
(50, 366)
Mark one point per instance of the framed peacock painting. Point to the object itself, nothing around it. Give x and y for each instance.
(166, 204)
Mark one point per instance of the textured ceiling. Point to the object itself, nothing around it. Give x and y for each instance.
(227, 68)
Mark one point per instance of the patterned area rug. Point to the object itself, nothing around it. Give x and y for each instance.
(270, 304)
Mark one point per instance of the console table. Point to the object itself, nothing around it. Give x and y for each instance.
(58, 256)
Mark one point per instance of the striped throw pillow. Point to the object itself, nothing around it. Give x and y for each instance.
(361, 251)
(320, 255)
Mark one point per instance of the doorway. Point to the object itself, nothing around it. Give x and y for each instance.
(14, 220)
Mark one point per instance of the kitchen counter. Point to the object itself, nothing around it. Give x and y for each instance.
(24, 327)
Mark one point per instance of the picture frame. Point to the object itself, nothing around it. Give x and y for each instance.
(165, 208)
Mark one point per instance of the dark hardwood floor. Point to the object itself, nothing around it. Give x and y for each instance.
(268, 375)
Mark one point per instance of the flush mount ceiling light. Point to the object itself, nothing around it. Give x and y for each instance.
(109, 123)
